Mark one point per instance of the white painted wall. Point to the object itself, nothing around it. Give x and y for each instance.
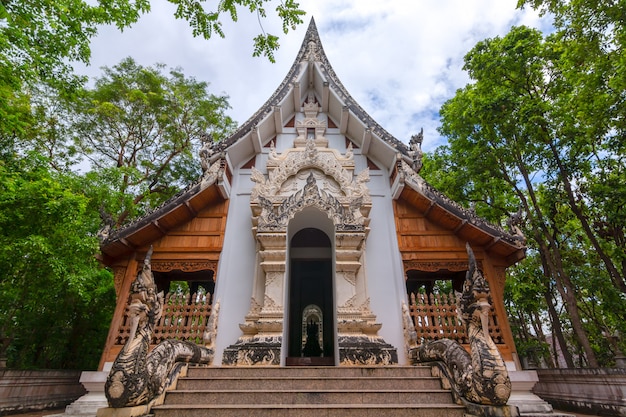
(237, 266)
(385, 275)
(236, 269)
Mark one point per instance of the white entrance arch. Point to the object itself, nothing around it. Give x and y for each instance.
(304, 185)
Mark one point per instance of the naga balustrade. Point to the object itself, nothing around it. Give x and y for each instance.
(184, 317)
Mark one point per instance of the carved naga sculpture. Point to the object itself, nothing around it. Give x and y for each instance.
(138, 377)
(480, 377)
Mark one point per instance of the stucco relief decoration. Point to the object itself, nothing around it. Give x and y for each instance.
(479, 379)
(270, 305)
(293, 161)
(213, 172)
(312, 53)
(310, 150)
(208, 337)
(139, 376)
(408, 326)
(345, 197)
(276, 217)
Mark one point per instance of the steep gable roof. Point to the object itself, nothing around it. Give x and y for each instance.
(311, 70)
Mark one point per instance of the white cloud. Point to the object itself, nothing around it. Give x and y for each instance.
(399, 59)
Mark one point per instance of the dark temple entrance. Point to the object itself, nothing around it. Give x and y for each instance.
(311, 331)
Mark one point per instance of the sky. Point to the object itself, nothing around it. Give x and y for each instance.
(399, 59)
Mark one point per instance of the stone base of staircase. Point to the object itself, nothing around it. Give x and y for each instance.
(309, 391)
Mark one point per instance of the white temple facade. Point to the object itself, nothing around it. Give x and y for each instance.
(314, 233)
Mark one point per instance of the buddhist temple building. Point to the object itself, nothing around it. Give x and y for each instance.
(311, 239)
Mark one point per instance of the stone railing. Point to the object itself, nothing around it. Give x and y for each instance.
(591, 391)
(37, 390)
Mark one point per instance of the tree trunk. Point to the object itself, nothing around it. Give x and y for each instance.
(568, 293)
(557, 332)
(616, 277)
(551, 260)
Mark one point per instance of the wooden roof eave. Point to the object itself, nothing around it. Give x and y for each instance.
(439, 209)
(175, 212)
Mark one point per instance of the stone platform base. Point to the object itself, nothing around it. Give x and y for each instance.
(256, 350)
(309, 361)
(354, 350)
(140, 410)
(362, 350)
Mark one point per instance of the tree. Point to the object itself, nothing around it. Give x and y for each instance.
(37, 36)
(513, 129)
(527, 299)
(593, 109)
(40, 38)
(142, 130)
(51, 287)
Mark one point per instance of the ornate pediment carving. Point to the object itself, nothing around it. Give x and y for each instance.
(334, 165)
(310, 176)
(276, 216)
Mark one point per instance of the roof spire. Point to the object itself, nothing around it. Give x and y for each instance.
(311, 45)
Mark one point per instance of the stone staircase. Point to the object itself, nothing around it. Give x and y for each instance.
(309, 391)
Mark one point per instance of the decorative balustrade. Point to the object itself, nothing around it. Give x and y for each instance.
(184, 317)
(435, 317)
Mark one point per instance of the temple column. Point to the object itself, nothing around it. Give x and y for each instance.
(261, 341)
(347, 265)
(273, 261)
(357, 329)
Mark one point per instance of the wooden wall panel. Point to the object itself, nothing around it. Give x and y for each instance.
(422, 242)
(199, 240)
(204, 233)
(417, 234)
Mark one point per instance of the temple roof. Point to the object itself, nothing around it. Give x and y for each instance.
(311, 71)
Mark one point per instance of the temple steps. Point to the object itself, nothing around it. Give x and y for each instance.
(309, 391)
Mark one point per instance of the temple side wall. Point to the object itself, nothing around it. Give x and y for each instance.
(385, 276)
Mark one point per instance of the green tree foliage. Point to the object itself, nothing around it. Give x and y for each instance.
(55, 301)
(516, 138)
(40, 38)
(527, 309)
(142, 130)
(205, 22)
(37, 36)
(591, 112)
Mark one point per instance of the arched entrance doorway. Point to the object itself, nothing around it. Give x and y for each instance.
(311, 334)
